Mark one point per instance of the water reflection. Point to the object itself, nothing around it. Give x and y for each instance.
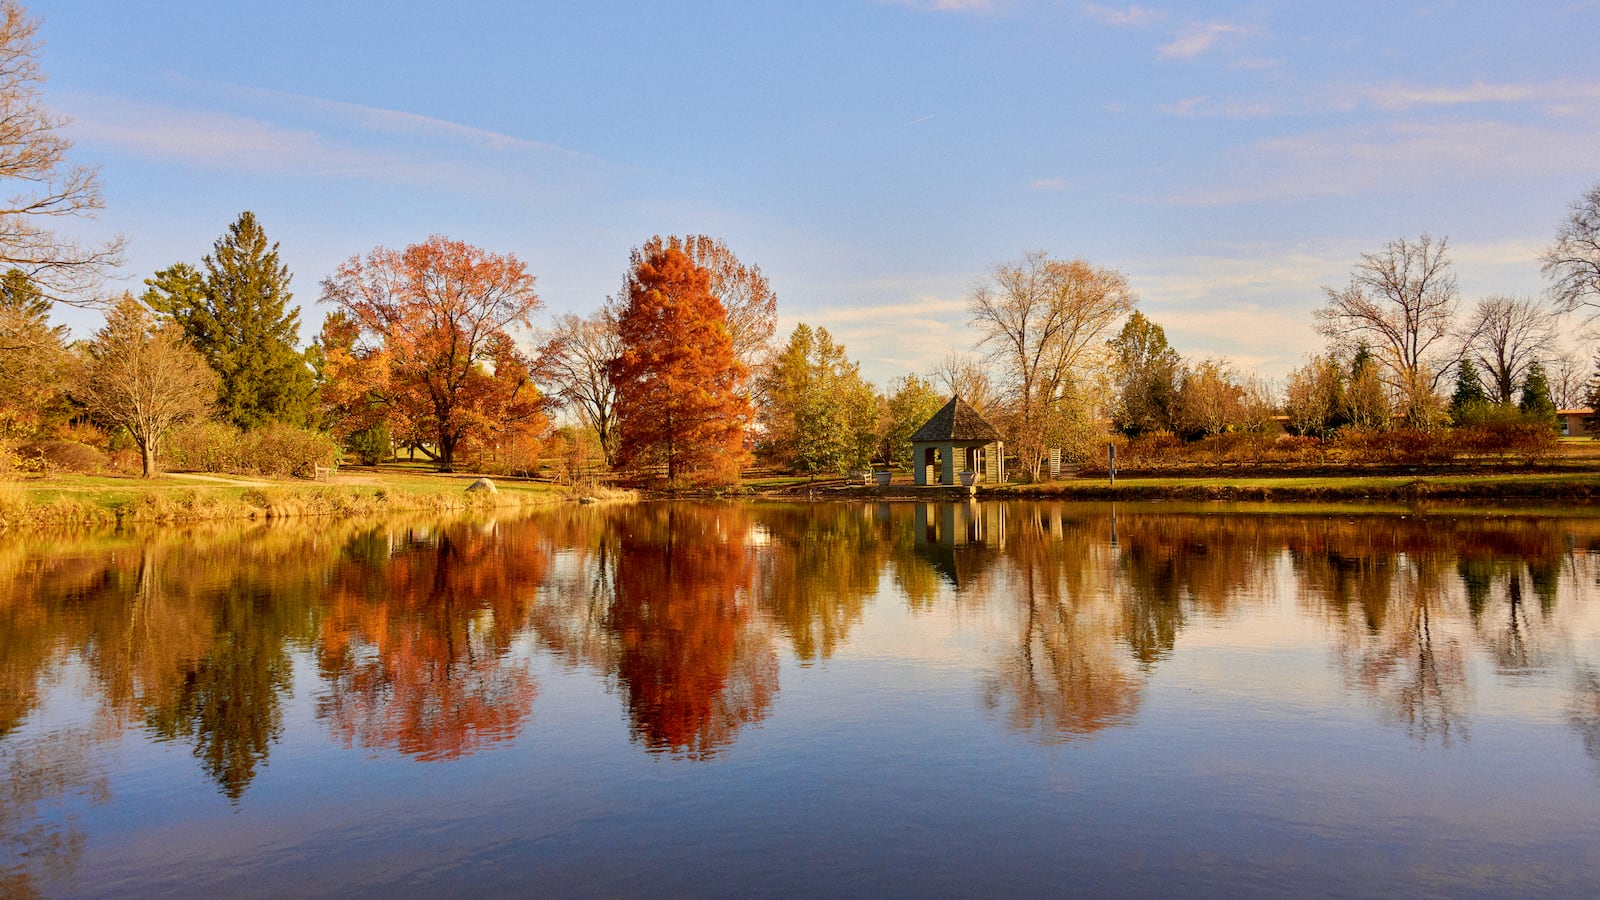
(415, 629)
(693, 660)
(419, 632)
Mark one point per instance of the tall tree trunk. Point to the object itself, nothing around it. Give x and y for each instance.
(447, 453)
(148, 450)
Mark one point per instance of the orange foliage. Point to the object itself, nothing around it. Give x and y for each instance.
(414, 643)
(679, 386)
(431, 346)
(691, 656)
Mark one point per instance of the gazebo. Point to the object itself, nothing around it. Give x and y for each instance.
(957, 435)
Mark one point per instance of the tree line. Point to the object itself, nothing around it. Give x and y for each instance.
(433, 348)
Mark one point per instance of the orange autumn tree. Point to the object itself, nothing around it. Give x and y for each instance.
(680, 389)
(431, 347)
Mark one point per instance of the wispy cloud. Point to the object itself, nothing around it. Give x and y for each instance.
(1122, 16)
(1199, 38)
(211, 139)
(947, 5)
(1356, 160)
(1048, 184)
(1400, 97)
(392, 122)
(294, 135)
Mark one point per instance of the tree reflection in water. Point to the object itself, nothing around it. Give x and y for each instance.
(694, 661)
(415, 633)
(40, 842)
(413, 625)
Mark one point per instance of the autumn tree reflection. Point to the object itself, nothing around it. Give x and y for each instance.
(1065, 674)
(39, 846)
(693, 659)
(415, 638)
(817, 567)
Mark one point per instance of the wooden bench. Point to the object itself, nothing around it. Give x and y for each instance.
(321, 473)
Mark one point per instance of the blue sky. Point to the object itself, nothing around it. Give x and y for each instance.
(873, 157)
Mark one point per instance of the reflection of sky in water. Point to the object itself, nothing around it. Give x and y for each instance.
(866, 698)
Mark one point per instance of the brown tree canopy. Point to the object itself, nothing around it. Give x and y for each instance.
(680, 389)
(144, 378)
(577, 354)
(747, 299)
(1042, 320)
(33, 158)
(1402, 300)
(431, 343)
(1573, 262)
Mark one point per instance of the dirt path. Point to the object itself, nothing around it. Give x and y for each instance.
(218, 479)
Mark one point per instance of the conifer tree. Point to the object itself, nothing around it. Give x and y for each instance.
(680, 388)
(33, 358)
(236, 314)
(1366, 407)
(1469, 399)
(1591, 399)
(1536, 403)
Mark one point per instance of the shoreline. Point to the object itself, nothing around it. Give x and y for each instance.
(1539, 486)
(90, 502)
(68, 502)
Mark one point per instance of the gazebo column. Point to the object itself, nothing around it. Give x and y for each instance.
(947, 468)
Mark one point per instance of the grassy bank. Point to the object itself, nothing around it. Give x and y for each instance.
(1406, 488)
(102, 501)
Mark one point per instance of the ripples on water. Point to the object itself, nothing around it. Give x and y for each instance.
(874, 698)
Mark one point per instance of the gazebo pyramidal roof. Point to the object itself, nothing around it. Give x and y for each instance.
(956, 421)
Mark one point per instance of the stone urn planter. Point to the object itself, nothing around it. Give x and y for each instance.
(883, 478)
(968, 479)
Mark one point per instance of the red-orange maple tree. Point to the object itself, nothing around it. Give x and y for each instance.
(433, 347)
(680, 400)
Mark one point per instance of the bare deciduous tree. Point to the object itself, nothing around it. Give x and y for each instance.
(1569, 381)
(576, 355)
(963, 375)
(33, 155)
(1041, 319)
(1403, 301)
(1573, 262)
(144, 378)
(1506, 335)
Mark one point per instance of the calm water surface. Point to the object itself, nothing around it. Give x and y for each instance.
(869, 699)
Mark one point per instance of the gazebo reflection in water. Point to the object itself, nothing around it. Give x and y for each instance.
(958, 538)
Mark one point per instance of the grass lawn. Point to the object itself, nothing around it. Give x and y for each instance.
(106, 500)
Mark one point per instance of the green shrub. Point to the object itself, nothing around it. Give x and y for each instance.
(371, 445)
(205, 447)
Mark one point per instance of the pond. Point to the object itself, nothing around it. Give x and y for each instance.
(857, 699)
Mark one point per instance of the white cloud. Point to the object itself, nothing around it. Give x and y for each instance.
(948, 5)
(1355, 160)
(1048, 184)
(1199, 38)
(1400, 97)
(1122, 17)
(393, 122)
(212, 139)
(307, 136)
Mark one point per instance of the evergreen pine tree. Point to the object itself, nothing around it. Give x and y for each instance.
(1591, 399)
(235, 313)
(1469, 399)
(1536, 403)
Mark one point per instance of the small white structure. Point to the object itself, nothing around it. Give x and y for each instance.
(956, 440)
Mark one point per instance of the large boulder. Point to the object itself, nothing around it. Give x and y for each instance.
(482, 484)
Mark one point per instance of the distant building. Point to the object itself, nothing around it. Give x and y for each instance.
(957, 440)
(1574, 422)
